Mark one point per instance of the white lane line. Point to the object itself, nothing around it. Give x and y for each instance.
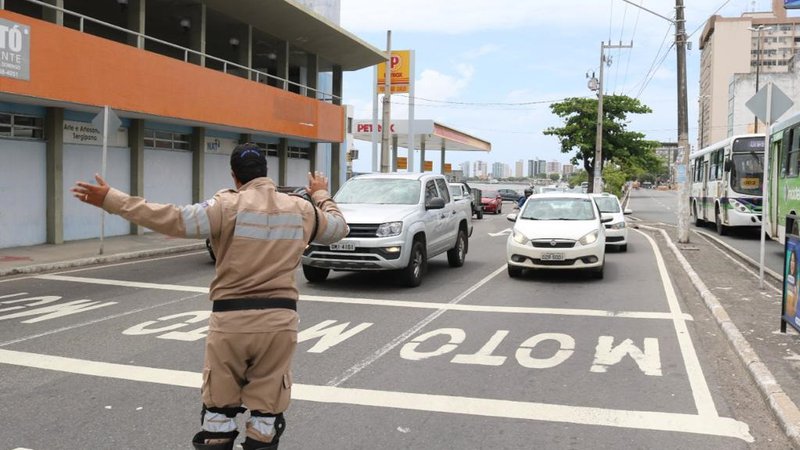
(642, 420)
(700, 391)
(393, 303)
(408, 333)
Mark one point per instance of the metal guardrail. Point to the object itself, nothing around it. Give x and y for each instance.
(186, 51)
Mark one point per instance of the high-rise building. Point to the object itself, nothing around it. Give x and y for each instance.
(567, 169)
(755, 42)
(465, 169)
(531, 168)
(541, 167)
(498, 170)
(553, 167)
(481, 169)
(518, 166)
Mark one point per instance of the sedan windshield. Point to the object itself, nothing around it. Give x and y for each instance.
(379, 191)
(607, 204)
(558, 209)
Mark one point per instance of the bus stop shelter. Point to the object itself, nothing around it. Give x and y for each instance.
(428, 135)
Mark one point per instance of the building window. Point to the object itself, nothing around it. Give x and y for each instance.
(271, 149)
(166, 140)
(298, 153)
(20, 126)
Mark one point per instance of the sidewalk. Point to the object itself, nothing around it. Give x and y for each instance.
(48, 257)
(728, 286)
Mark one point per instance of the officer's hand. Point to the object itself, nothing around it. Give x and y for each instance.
(91, 193)
(317, 181)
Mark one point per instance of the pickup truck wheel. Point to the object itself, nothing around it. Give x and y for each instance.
(417, 261)
(457, 254)
(315, 274)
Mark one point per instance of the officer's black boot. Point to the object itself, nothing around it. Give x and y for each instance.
(252, 444)
(199, 440)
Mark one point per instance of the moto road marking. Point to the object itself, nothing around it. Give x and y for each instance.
(644, 420)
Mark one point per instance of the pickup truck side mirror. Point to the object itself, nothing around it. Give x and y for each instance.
(435, 203)
(627, 211)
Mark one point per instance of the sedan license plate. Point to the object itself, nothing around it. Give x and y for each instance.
(552, 256)
(343, 246)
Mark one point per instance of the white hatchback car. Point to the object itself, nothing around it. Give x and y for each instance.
(616, 230)
(557, 231)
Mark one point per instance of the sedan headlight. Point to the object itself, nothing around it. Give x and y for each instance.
(589, 238)
(738, 205)
(519, 238)
(618, 225)
(389, 229)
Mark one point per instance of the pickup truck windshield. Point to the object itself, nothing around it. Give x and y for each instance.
(380, 191)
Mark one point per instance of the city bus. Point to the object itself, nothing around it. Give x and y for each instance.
(727, 182)
(784, 176)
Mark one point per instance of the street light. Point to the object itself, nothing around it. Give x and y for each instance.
(759, 29)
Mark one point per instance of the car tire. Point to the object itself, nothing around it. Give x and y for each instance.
(458, 254)
(315, 274)
(597, 273)
(721, 229)
(210, 250)
(514, 271)
(698, 222)
(417, 263)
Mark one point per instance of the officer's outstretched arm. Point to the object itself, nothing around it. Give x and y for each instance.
(331, 226)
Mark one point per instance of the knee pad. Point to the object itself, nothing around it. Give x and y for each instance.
(263, 425)
(219, 420)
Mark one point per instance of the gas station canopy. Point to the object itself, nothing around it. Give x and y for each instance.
(427, 135)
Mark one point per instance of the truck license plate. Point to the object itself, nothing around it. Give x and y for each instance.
(343, 246)
(552, 256)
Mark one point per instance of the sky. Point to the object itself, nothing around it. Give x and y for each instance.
(491, 68)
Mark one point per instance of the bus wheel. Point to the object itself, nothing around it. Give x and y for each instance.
(697, 220)
(721, 229)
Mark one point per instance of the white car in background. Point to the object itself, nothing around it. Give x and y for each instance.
(557, 231)
(616, 229)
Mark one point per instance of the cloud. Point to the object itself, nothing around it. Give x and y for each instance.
(483, 50)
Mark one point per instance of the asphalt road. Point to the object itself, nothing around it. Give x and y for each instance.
(651, 205)
(111, 357)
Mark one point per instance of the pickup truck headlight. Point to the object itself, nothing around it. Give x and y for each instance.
(519, 238)
(389, 229)
(589, 238)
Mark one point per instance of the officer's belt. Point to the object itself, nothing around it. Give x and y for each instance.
(238, 304)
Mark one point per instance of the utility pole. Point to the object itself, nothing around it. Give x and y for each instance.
(598, 146)
(683, 125)
(684, 185)
(387, 114)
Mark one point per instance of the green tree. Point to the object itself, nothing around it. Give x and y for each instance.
(554, 177)
(578, 134)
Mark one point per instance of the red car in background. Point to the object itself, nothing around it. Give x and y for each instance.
(492, 202)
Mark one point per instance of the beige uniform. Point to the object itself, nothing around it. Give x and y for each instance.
(258, 236)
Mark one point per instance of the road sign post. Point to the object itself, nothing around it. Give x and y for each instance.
(104, 122)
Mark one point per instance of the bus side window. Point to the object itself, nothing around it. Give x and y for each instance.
(794, 152)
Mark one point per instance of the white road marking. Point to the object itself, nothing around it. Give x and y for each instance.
(408, 333)
(642, 420)
(505, 232)
(702, 395)
(395, 303)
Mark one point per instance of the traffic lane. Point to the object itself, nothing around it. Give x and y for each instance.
(629, 284)
(486, 253)
(654, 205)
(60, 410)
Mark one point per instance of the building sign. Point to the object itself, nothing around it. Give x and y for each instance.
(220, 146)
(400, 71)
(448, 168)
(427, 166)
(402, 162)
(86, 134)
(15, 50)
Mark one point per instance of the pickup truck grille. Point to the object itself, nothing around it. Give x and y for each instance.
(363, 229)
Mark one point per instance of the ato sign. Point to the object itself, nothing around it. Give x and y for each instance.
(15, 50)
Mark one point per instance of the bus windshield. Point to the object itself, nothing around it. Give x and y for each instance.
(747, 173)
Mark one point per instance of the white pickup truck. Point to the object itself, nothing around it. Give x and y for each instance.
(397, 222)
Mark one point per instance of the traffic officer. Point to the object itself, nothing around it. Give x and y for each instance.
(258, 235)
(521, 201)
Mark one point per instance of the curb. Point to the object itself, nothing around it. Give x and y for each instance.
(60, 265)
(784, 409)
(776, 276)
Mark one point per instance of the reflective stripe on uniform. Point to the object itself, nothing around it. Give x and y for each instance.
(335, 226)
(269, 227)
(218, 423)
(264, 425)
(195, 219)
